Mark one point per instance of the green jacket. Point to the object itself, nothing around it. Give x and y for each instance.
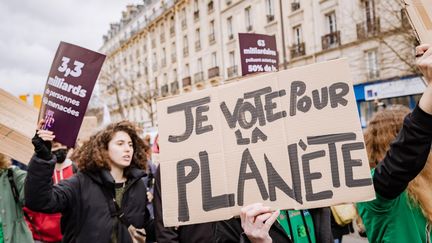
(393, 220)
(15, 229)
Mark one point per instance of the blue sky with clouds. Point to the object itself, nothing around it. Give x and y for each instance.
(30, 32)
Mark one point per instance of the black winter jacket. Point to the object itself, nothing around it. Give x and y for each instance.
(196, 233)
(84, 201)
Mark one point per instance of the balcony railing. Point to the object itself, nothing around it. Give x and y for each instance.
(197, 45)
(331, 40)
(185, 51)
(198, 77)
(295, 6)
(213, 72)
(232, 71)
(164, 90)
(298, 50)
(173, 57)
(368, 28)
(186, 81)
(174, 87)
(210, 7)
(212, 38)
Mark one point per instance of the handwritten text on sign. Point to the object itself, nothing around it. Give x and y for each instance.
(291, 139)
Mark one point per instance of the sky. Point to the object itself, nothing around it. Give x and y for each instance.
(30, 32)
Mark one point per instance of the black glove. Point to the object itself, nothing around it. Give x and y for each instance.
(42, 148)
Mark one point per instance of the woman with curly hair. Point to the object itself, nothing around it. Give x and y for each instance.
(402, 210)
(106, 200)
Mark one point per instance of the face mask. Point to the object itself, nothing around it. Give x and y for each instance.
(60, 154)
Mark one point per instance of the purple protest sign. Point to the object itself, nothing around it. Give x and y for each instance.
(68, 90)
(258, 53)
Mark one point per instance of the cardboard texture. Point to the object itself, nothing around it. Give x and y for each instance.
(17, 126)
(290, 139)
(420, 14)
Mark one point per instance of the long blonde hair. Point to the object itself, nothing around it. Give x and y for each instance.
(382, 130)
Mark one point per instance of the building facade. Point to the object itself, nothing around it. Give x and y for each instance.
(169, 47)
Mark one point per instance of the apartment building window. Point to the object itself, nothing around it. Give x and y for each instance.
(232, 69)
(197, 39)
(298, 47)
(212, 36)
(248, 20)
(295, 5)
(231, 58)
(183, 18)
(175, 74)
(185, 46)
(331, 22)
(270, 10)
(163, 57)
(332, 38)
(230, 28)
(369, 9)
(173, 52)
(199, 75)
(196, 10)
(187, 70)
(214, 59)
(298, 35)
(372, 64)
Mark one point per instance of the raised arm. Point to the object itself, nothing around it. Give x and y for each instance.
(408, 153)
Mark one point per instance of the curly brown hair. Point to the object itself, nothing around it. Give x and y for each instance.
(93, 155)
(382, 130)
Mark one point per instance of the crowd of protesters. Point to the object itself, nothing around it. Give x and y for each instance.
(108, 189)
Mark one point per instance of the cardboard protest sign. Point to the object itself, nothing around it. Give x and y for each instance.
(290, 139)
(17, 127)
(258, 53)
(68, 90)
(420, 14)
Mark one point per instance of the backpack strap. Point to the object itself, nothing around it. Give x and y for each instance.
(13, 186)
(16, 198)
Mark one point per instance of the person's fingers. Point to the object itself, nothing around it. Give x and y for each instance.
(260, 219)
(271, 220)
(253, 212)
(40, 124)
(46, 135)
(421, 49)
(245, 209)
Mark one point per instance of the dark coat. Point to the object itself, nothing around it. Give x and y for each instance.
(196, 233)
(230, 231)
(84, 201)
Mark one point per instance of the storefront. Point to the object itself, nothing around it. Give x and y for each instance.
(370, 96)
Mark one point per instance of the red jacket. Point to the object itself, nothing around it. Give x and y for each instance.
(48, 225)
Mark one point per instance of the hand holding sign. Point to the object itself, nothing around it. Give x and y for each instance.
(42, 142)
(256, 221)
